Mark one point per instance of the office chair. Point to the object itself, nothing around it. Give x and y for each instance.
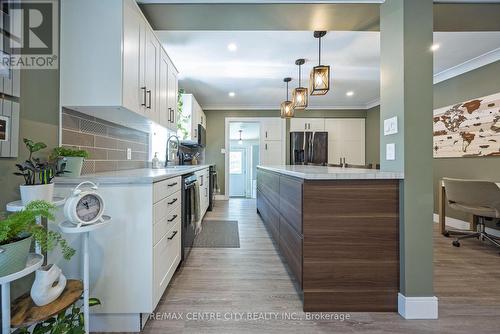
(479, 198)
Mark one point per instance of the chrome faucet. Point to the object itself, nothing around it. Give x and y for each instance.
(168, 149)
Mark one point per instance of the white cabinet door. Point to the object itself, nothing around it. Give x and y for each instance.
(307, 124)
(316, 124)
(298, 124)
(271, 152)
(134, 98)
(151, 75)
(346, 139)
(172, 99)
(163, 91)
(270, 129)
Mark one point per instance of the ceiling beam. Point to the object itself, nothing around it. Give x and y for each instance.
(310, 16)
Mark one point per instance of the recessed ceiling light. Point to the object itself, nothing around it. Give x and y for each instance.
(231, 94)
(349, 93)
(435, 47)
(232, 47)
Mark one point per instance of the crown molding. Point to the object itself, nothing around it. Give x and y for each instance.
(274, 107)
(467, 66)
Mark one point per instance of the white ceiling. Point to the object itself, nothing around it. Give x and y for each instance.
(250, 130)
(263, 58)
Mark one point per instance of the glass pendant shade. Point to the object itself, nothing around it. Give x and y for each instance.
(287, 110)
(299, 98)
(320, 80)
(300, 94)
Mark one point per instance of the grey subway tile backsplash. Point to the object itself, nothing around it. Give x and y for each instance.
(106, 142)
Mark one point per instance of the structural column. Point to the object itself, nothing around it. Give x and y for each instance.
(406, 93)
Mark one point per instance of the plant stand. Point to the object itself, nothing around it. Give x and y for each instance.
(70, 228)
(34, 262)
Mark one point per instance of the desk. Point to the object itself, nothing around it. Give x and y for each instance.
(442, 212)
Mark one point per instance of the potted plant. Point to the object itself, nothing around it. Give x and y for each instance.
(18, 229)
(73, 159)
(38, 174)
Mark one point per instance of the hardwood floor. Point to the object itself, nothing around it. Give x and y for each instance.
(234, 282)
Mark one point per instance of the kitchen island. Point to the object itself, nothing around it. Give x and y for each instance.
(337, 229)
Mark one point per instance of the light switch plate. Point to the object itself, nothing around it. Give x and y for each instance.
(390, 151)
(129, 153)
(223, 151)
(391, 126)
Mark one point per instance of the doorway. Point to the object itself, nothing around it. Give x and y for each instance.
(244, 156)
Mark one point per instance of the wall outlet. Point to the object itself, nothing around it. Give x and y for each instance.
(129, 153)
(390, 151)
(223, 151)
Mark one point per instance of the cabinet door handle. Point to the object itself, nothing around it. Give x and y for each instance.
(305, 126)
(266, 134)
(172, 184)
(169, 114)
(195, 132)
(173, 201)
(172, 236)
(266, 147)
(143, 96)
(201, 180)
(172, 115)
(172, 219)
(149, 100)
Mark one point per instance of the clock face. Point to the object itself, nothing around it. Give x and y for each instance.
(88, 207)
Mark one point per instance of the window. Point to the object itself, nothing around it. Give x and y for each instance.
(235, 162)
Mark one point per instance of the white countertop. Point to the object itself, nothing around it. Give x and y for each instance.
(332, 173)
(143, 175)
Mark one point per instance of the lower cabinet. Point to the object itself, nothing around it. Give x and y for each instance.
(290, 244)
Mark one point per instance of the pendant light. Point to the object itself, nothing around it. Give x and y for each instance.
(240, 141)
(299, 94)
(287, 106)
(320, 75)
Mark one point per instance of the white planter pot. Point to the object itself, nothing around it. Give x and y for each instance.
(43, 290)
(44, 192)
(73, 166)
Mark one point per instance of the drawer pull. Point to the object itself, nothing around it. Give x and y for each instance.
(172, 184)
(172, 219)
(172, 236)
(173, 201)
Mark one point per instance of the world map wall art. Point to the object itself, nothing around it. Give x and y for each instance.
(468, 129)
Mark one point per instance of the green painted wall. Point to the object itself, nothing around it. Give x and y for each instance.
(480, 82)
(216, 124)
(372, 138)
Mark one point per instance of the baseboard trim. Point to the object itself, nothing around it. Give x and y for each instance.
(221, 198)
(463, 225)
(412, 308)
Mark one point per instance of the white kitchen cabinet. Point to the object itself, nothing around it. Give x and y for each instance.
(192, 110)
(203, 179)
(139, 251)
(307, 124)
(111, 64)
(271, 153)
(173, 89)
(346, 140)
(270, 129)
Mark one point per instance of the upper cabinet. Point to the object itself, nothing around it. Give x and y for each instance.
(307, 124)
(194, 114)
(346, 140)
(113, 66)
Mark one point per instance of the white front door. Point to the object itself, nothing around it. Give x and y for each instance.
(237, 172)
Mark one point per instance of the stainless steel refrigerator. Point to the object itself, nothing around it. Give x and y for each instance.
(309, 148)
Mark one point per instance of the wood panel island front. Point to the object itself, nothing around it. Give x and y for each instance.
(337, 229)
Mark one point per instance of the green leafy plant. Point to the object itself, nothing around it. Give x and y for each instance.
(69, 321)
(183, 120)
(69, 152)
(36, 171)
(19, 225)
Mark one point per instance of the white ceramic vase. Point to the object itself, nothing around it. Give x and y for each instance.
(43, 290)
(30, 193)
